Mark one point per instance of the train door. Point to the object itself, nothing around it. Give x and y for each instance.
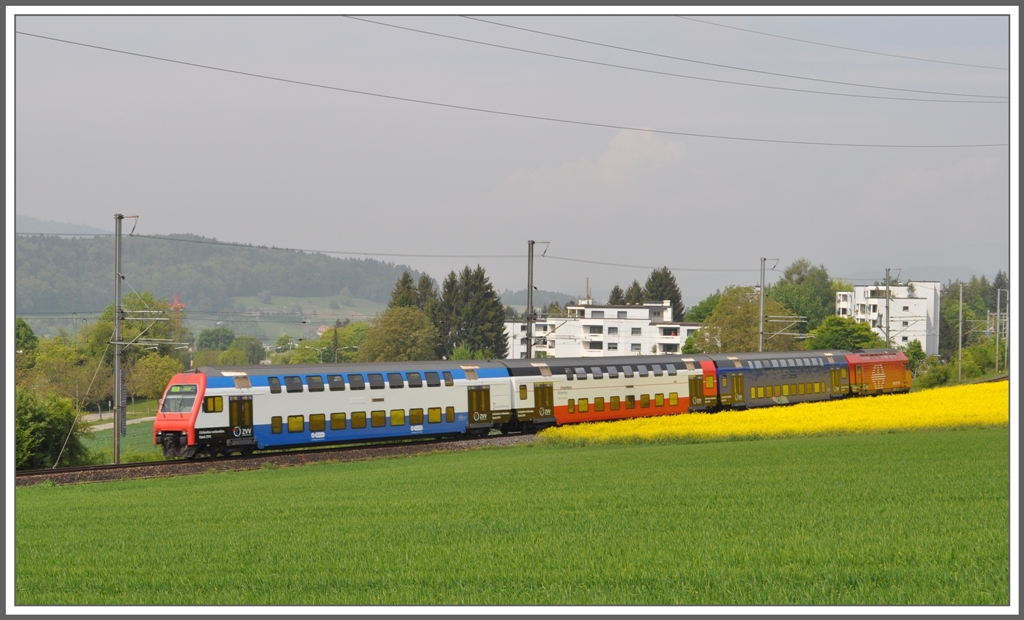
(544, 400)
(859, 378)
(837, 383)
(479, 406)
(240, 421)
(737, 389)
(696, 392)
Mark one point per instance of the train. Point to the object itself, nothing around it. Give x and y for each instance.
(208, 412)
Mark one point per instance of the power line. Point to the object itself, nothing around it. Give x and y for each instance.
(514, 114)
(694, 269)
(677, 75)
(852, 49)
(710, 64)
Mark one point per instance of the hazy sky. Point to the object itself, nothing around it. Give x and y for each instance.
(307, 165)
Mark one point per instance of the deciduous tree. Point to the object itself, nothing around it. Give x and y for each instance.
(837, 332)
(734, 322)
(399, 334)
(41, 428)
(216, 338)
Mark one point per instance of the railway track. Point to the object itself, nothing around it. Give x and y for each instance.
(157, 469)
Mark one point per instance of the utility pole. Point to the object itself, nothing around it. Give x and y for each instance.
(529, 302)
(960, 343)
(118, 378)
(887, 307)
(760, 327)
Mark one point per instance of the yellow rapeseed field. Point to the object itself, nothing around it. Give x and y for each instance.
(965, 406)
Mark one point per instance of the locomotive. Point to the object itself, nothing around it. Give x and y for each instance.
(239, 409)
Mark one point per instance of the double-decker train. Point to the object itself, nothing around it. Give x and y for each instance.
(219, 411)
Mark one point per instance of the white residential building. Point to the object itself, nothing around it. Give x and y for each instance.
(913, 312)
(591, 330)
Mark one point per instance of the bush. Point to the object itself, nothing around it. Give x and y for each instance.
(41, 427)
(936, 375)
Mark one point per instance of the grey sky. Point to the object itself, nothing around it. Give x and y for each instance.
(252, 160)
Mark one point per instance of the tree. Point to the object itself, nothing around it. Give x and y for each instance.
(62, 369)
(426, 294)
(634, 294)
(140, 310)
(660, 286)
(552, 309)
(700, 312)
(345, 338)
(837, 332)
(616, 297)
(733, 324)
(150, 375)
(41, 427)
(24, 338)
(216, 338)
(404, 293)
(471, 313)
(399, 334)
(205, 357)
(251, 347)
(915, 355)
(232, 357)
(511, 313)
(807, 291)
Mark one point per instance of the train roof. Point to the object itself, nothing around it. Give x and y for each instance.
(263, 370)
(557, 365)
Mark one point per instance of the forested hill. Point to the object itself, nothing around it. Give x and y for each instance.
(58, 274)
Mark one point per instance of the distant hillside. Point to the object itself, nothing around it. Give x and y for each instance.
(540, 298)
(28, 224)
(61, 274)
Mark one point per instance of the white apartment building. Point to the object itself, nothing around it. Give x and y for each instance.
(591, 330)
(913, 312)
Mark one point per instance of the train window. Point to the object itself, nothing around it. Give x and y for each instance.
(757, 365)
(627, 372)
(819, 387)
(760, 392)
(842, 372)
(785, 389)
(614, 402)
(725, 381)
(572, 405)
(673, 398)
(583, 404)
(213, 404)
(599, 403)
(433, 379)
(581, 373)
(753, 392)
(810, 390)
(293, 384)
(641, 370)
(659, 400)
(449, 414)
(434, 415)
(448, 378)
(799, 363)
(275, 385)
(395, 380)
(398, 417)
(337, 421)
(807, 362)
(415, 380)
(275, 425)
(522, 392)
(415, 416)
(568, 374)
(597, 372)
(799, 389)
(613, 372)
(775, 363)
(317, 422)
(356, 382)
(671, 369)
(656, 370)
(378, 418)
(336, 383)
(778, 391)
(315, 383)
(630, 401)
(790, 363)
(358, 419)
(296, 424)
(709, 382)
(376, 381)
(645, 400)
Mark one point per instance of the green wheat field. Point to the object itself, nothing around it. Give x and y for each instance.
(910, 518)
